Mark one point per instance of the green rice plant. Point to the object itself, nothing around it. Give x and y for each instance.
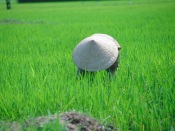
(37, 74)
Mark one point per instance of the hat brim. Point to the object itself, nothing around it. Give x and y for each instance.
(109, 37)
(95, 53)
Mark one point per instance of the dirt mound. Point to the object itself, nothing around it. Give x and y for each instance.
(76, 121)
(68, 121)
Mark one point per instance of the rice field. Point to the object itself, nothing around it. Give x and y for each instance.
(38, 76)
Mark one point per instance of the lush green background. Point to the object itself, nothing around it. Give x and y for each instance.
(24, 1)
(37, 74)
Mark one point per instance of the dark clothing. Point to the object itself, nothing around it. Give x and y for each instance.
(8, 4)
(111, 70)
(114, 67)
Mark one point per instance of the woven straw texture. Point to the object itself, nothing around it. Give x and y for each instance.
(95, 53)
(109, 37)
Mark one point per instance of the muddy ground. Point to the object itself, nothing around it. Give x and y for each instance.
(68, 121)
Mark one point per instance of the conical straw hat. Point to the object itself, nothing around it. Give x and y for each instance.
(109, 37)
(95, 53)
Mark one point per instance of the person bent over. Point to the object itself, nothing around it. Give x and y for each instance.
(97, 52)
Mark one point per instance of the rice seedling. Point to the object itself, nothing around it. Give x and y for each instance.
(38, 76)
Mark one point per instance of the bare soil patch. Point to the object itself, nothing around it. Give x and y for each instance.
(69, 121)
(14, 21)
